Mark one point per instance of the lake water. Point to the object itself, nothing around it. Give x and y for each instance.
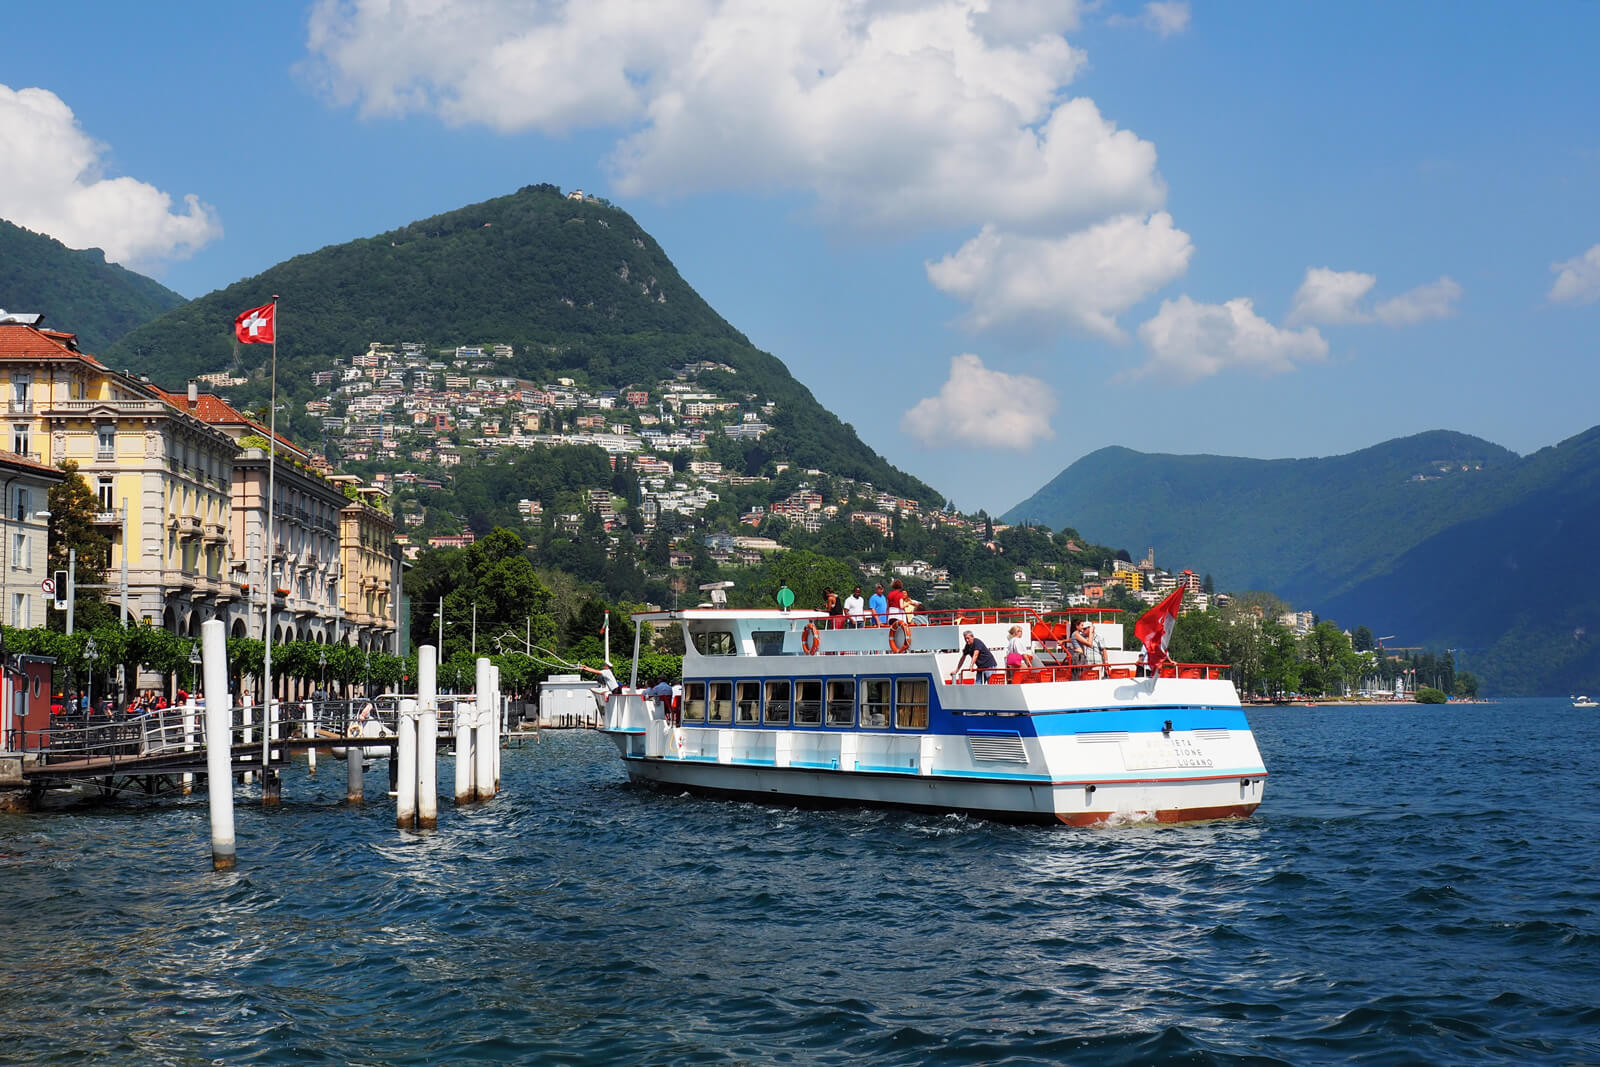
(1420, 886)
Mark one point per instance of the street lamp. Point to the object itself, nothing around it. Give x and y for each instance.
(195, 659)
(90, 653)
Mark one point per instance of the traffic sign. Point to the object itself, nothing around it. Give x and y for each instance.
(48, 585)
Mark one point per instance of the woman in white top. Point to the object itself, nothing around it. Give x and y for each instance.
(1019, 652)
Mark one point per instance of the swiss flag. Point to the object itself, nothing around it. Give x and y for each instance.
(255, 327)
(1154, 628)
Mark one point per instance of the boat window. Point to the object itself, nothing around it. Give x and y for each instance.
(714, 642)
(911, 704)
(694, 702)
(719, 702)
(875, 703)
(768, 642)
(778, 703)
(808, 702)
(748, 706)
(841, 701)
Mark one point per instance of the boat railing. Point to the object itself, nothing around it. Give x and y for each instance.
(1084, 672)
(940, 617)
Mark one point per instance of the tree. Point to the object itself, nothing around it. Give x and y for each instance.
(73, 508)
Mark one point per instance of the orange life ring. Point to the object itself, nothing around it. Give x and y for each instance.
(903, 642)
(810, 640)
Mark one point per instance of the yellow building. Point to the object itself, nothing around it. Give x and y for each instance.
(162, 476)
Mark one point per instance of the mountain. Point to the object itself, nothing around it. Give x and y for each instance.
(1442, 539)
(575, 285)
(1301, 528)
(76, 290)
(1510, 589)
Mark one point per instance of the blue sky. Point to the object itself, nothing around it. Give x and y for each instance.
(993, 235)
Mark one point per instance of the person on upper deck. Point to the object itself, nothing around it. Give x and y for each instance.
(982, 659)
(896, 600)
(835, 609)
(1019, 651)
(854, 607)
(1082, 643)
(879, 605)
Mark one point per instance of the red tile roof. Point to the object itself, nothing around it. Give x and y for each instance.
(29, 342)
(12, 459)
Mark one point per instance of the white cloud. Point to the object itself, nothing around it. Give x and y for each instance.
(1333, 298)
(901, 114)
(1577, 280)
(979, 406)
(1436, 300)
(1166, 17)
(893, 115)
(1083, 280)
(1162, 17)
(1188, 341)
(51, 181)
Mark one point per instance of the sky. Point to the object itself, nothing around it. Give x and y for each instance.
(991, 235)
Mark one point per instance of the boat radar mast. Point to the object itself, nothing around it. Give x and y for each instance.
(719, 593)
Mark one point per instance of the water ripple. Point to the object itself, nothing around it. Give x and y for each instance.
(1407, 894)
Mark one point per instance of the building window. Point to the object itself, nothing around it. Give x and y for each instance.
(19, 439)
(19, 553)
(106, 442)
(104, 490)
(24, 499)
(911, 704)
(19, 611)
(19, 392)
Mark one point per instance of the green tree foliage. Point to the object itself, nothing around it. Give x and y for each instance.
(72, 527)
(1429, 695)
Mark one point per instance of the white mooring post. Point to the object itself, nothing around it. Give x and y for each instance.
(466, 760)
(310, 727)
(191, 731)
(219, 742)
(247, 717)
(405, 754)
(271, 780)
(427, 737)
(483, 742)
(498, 727)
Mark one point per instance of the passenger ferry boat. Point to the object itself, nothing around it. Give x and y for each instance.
(777, 706)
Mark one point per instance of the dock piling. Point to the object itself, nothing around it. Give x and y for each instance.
(428, 738)
(405, 757)
(219, 743)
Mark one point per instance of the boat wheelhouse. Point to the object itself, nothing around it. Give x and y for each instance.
(778, 705)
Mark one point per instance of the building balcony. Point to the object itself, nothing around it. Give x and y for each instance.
(216, 533)
(108, 518)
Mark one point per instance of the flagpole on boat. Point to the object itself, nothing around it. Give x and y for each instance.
(271, 583)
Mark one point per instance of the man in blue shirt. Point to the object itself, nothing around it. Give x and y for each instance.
(878, 604)
(982, 659)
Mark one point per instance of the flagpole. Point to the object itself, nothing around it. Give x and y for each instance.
(271, 582)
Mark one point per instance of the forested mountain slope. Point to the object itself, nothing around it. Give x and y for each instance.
(76, 291)
(575, 286)
(1302, 528)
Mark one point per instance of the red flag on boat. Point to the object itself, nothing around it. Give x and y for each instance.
(1154, 628)
(254, 327)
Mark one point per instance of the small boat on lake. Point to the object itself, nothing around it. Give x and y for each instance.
(1583, 702)
(776, 705)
